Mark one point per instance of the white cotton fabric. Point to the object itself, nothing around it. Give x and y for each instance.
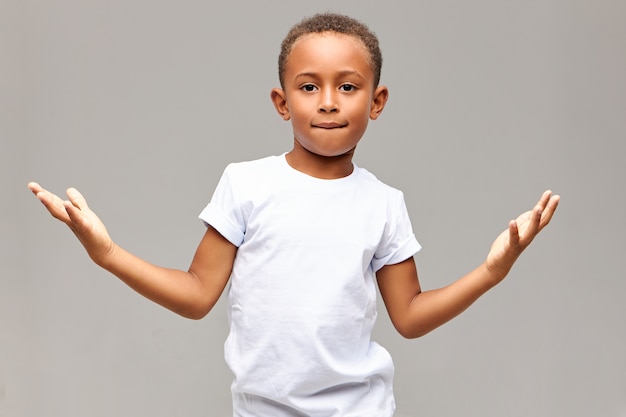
(302, 295)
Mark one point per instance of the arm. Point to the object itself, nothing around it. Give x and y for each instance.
(415, 312)
(191, 294)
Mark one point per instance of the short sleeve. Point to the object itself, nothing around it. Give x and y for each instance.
(223, 212)
(398, 242)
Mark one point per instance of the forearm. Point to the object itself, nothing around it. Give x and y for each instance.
(179, 291)
(191, 294)
(430, 309)
(415, 312)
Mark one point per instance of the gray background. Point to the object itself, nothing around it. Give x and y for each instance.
(141, 104)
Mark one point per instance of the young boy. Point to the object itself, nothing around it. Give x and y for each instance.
(303, 238)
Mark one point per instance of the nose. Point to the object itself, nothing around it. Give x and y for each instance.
(328, 101)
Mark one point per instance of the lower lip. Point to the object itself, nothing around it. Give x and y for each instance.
(329, 126)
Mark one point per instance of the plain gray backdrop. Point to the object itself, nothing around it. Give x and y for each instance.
(141, 104)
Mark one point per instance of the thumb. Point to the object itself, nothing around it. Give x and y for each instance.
(76, 198)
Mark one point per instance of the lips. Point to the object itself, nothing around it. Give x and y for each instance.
(329, 125)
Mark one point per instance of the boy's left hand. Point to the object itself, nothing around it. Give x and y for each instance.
(512, 242)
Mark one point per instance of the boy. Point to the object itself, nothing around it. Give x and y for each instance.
(303, 237)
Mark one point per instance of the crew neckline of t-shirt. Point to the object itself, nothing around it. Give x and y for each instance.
(294, 172)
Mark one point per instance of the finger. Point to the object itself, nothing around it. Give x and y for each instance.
(34, 187)
(77, 198)
(75, 219)
(51, 202)
(513, 233)
(40, 192)
(549, 210)
(75, 215)
(529, 225)
(545, 197)
(534, 224)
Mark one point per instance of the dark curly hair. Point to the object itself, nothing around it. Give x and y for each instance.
(332, 22)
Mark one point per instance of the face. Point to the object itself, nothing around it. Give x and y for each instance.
(329, 93)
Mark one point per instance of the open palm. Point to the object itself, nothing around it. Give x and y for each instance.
(77, 215)
(511, 243)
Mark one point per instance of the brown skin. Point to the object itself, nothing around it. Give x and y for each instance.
(191, 294)
(329, 96)
(415, 313)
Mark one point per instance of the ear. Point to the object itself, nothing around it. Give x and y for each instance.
(379, 99)
(279, 98)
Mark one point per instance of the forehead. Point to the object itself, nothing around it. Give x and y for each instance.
(329, 50)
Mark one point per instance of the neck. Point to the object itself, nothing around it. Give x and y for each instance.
(319, 166)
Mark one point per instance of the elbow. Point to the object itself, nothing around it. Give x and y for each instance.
(411, 335)
(196, 311)
(411, 332)
(195, 315)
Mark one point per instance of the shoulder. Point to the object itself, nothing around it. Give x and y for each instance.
(251, 172)
(268, 163)
(377, 187)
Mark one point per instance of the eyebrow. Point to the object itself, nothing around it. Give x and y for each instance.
(340, 74)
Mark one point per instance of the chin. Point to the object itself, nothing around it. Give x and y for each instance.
(329, 151)
(333, 154)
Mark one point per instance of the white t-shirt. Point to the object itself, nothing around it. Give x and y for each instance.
(302, 295)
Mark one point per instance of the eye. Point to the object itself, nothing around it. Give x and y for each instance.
(308, 87)
(347, 87)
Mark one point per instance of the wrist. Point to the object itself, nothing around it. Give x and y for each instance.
(105, 258)
(494, 274)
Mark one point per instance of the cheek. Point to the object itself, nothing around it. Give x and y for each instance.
(363, 113)
(299, 109)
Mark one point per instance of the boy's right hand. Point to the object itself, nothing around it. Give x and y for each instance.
(75, 213)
